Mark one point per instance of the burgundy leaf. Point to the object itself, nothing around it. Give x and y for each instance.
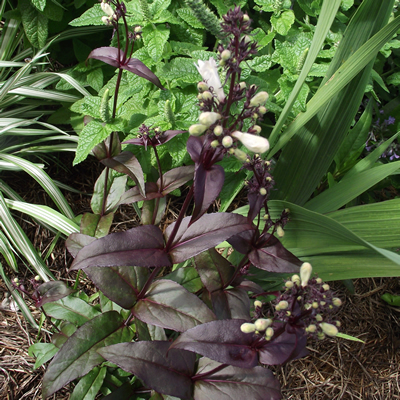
(239, 303)
(109, 55)
(207, 186)
(120, 284)
(163, 370)
(142, 247)
(103, 150)
(52, 291)
(242, 242)
(127, 163)
(214, 270)
(234, 383)
(175, 178)
(256, 201)
(169, 305)
(194, 147)
(219, 303)
(77, 241)
(250, 286)
(222, 341)
(274, 257)
(207, 232)
(289, 345)
(133, 195)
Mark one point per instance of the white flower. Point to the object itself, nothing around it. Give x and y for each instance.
(305, 273)
(208, 118)
(209, 72)
(329, 329)
(259, 99)
(107, 9)
(254, 143)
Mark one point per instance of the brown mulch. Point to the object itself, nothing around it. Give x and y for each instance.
(334, 369)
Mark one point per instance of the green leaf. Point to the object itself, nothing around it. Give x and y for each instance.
(391, 299)
(71, 309)
(78, 355)
(43, 353)
(96, 225)
(34, 22)
(186, 277)
(348, 337)
(39, 4)
(53, 11)
(187, 15)
(155, 38)
(283, 22)
(89, 17)
(89, 385)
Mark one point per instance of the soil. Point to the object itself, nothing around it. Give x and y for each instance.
(334, 369)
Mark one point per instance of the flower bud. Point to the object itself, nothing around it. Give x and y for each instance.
(107, 9)
(311, 328)
(245, 18)
(321, 335)
(207, 95)
(202, 87)
(263, 191)
(280, 232)
(319, 318)
(289, 284)
(256, 129)
(338, 323)
(16, 280)
(227, 142)
(214, 144)
(197, 129)
(269, 333)
(208, 118)
(254, 143)
(259, 99)
(315, 304)
(326, 287)
(222, 63)
(295, 279)
(336, 302)
(218, 130)
(282, 305)
(106, 20)
(329, 329)
(262, 324)
(247, 327)
(242, 85)
(319, 281)
(137, 29)
(257, 303)
(305, 273)
(262, 110)
(226, 55)
(268, 179)
(37, 278)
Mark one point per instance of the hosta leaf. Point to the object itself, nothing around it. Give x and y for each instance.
(142, 246)
(166, 371)
(169, 305)
(78, 355)
(222, 341)
(207, 232)
(235, 383)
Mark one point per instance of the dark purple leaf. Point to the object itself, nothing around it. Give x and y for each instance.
(256, 201)
(52, 291)
(207, 232)
(167, 372)
(103, 150)
(175, 178)
(96, 225)
(148, 211)
(119, 284)
(215, 271)
(78, 354)
(222, 341)
(239, 303)
(77, 241)
(207, 186)
(243, 241)
(289, 345)
(218, 303)
(194, 147)
(169, 305)
(133, 195)
(274, 257)
(126, 163)
(149, 332)
(250, 286)
(109, 55)
(235, 383)
(142, 247)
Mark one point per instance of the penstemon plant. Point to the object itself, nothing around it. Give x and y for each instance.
(192, 333)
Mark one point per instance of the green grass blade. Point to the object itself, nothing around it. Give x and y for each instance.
(6, 251)
(44, 94)
(325, 19)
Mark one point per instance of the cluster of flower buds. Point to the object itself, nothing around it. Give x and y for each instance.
(110, 16)
(33, 284)
(306, 302)
(309, 301)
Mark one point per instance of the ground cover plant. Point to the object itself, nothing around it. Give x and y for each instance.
(206, 296)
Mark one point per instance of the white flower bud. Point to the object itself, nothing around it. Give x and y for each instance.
(336, 302)
(226, 55)
(315, 304)
(305, 273)
(218, 130)
(256, 128)
(263, 191)
(289, 284)
(242, 85)
(295, 279)
(262, 324)
(269, 333)
(245, 18)
(37, 278)
(311, 328)
(329, 329)
(106, 20)
(319, 281)
(208, 118)
(254, 143)
(257, 303)
(247, 327)
(16, 280)
(318, 317)
(262, 110)
(259, 99)
(280, 232)
(240, 155)
(202, 87)
(207, 95)
(321, 335)
(209, 72)
(227, 142)
(326, 287)
(214, 144)
(282, 305)
(107, 9)
(197, 129)
(138, 29)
